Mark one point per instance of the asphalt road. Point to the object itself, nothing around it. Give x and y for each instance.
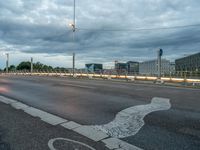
(20, 131)
(95, 102)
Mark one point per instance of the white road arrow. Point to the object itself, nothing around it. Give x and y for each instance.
(129, 121)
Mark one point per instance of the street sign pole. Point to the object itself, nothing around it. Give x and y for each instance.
(74, 29)
(7, 62)
(31, 65)
(160, 53)
(73, 64)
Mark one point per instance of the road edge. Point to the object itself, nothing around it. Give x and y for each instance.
(86, 131)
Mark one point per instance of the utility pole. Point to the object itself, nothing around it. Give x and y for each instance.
(73, 25)
(73, 65)
(160, 53)
(7, 62)
(31, 65)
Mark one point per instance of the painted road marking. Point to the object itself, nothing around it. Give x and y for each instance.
(35, 112)
(53, 120)
(129, 121)
(114, 143)
(91, 133)
(19, 105)
(76, 85)
(70, 125)
(7, 100)
(44, 116)
(51, 146)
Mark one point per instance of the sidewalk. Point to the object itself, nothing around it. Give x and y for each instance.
(20, 131)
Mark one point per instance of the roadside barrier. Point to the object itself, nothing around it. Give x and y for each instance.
(109, 77)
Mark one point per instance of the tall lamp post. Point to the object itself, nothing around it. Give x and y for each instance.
(160, 53)
(7, 61)
(73, 25)
(31, 65)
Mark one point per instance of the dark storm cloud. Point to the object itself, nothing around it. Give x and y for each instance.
(105, 28)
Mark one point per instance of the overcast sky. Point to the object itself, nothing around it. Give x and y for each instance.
(107, 30)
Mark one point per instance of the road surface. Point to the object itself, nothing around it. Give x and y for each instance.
(20, 131)
(97, 102)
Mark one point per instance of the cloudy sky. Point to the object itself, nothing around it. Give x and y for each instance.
(107, 30)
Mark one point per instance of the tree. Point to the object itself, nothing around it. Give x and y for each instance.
(12, 68)
(40, 66)
(37, 66)
(25, 65)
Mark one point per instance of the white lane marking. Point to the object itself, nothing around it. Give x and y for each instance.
(70, 125)
(53, 120)
(114, 143)
(91, 133)
(7, 100)
(79, 86)
(51, 147)
(129, 121)
(35, 112)
(44, 116)
(19, 105)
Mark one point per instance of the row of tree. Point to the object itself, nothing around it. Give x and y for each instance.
(26, 65)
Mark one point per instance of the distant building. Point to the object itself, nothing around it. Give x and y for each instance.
(151, 67)
(94, 68)
(132, 67)
(190, 63)
(172, 68)
(121, 67)
(81, 70)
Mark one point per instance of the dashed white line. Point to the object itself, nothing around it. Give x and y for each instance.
(70, 125)
(6, 100)
(53, 120)
(44, 116)
(79, 86)
(35, 112)
(91, 133)
(19, 105)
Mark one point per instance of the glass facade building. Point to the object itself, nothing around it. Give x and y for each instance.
(190, 63)
(151, 67)
(133, 67)
(94, 68)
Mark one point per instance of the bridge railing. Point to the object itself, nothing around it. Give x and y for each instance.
(185, 77)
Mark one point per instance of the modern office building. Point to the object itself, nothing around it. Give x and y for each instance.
(132, 67)
(151, 67)
(121, 67)
(94, 68)
(190, 63)
(172, 68)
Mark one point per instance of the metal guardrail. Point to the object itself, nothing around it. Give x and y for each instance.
(109, 76)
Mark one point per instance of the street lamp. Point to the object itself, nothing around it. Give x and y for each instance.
(7, 61)
(73, 26)
(31, 65)
(160, 53)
